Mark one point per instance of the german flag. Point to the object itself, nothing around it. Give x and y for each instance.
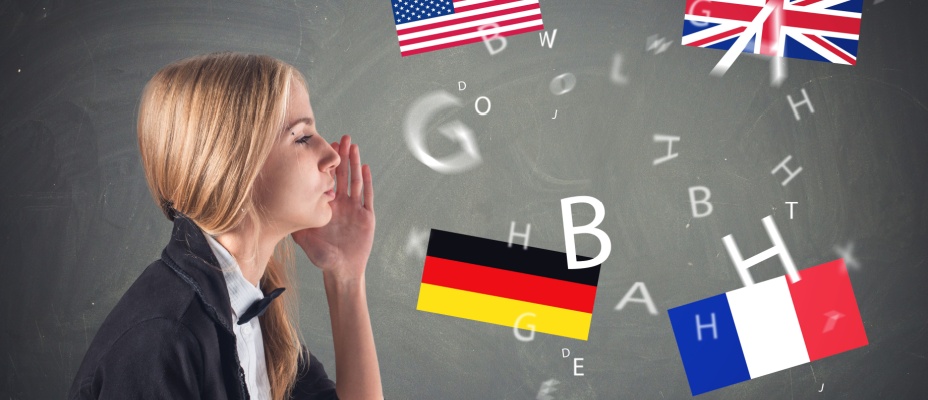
(489, 281)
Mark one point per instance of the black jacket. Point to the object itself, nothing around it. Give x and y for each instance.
(170, 336)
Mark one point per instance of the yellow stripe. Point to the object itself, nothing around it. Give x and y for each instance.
(503, 311)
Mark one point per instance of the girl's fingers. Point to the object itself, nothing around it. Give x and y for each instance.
(332, 171)
(341, 171)
(355, 158)
(368, 187)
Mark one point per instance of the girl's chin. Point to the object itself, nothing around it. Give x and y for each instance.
(322, 217)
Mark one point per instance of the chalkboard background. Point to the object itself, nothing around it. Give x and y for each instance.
(79, 225)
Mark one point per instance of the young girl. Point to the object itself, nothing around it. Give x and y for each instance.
(231, 153)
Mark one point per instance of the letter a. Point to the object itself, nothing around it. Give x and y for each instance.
(645, 298)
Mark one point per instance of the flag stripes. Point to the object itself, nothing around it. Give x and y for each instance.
(767, 327)
(490, 281)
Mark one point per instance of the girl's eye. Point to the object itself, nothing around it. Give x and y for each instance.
(304, 139)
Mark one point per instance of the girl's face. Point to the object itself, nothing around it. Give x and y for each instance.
(297, 181)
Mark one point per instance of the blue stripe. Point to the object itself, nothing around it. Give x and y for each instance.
(794, 49)
(716, 360)
(689, 27)
(723, 45)
(848, 45)
(851, 6)
(749, 48)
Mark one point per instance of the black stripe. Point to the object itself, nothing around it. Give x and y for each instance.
(496, 254)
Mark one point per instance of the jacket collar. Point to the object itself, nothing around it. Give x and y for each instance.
(242, 294)
(190, 256)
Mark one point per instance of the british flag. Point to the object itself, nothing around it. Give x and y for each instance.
(820, 30)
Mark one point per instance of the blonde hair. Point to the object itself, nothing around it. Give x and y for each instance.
(206, 126)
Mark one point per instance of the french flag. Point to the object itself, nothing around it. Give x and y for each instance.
(767, 327)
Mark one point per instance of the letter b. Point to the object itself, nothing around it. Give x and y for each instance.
(570, 230)
(705, 201)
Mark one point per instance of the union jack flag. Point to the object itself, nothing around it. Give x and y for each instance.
(819, 30)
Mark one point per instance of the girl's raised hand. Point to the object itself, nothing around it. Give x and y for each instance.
(343, 246)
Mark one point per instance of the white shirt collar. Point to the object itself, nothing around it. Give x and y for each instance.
(242, 294)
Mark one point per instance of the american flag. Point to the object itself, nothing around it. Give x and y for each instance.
(429, 25)
(820, 30)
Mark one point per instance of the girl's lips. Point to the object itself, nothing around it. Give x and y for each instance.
(330, 194)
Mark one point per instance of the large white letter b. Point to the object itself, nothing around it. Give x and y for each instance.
(570, 230)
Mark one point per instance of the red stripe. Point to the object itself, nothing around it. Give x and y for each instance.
(509, 284)
(833, 49)
(806, 2)
(825, 292)
(467, 30)
(770, 32)
(738, 12)
(477, 17)
(467, 41)
(822, 22)
(483, 5)
(713, 38)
